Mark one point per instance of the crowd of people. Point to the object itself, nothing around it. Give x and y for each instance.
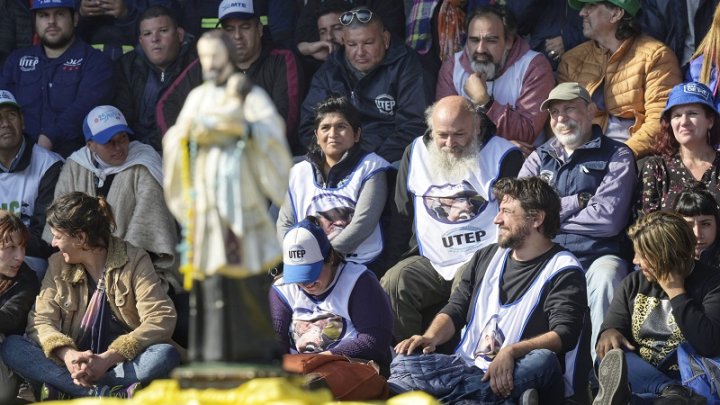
(491, 201)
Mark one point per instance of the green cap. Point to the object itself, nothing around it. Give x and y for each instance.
(631, 6)
(566, 91)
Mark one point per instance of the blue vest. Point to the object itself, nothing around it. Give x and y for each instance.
(582, 172)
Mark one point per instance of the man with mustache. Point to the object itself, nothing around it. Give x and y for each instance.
(58, 81)
(520, 304)
(628, 74)
(595, 177)
(501, 75)
(459, 157)
(28, 174)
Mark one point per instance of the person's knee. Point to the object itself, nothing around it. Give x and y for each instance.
(606, 272)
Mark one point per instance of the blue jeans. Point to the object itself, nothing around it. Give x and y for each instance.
(450, 379)
(27, 359)
(603, 275)
(646, 381)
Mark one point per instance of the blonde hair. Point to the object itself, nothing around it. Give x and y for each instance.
(709, 48)
(666, 242)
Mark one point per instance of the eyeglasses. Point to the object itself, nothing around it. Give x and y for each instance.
(363, 15)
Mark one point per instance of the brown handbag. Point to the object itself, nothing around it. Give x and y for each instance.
(348, 379)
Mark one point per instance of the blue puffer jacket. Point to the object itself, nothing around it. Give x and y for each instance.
(391, 99)
(56, 94)
(693, 74)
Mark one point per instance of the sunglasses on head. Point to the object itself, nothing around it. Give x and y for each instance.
(363, 15)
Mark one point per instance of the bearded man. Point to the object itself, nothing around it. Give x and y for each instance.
(454, 165)
(499, 72)
(58, 81)
(595, 177)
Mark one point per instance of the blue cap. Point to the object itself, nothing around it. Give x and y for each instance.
(305, 248)
(39, 4)
(689, 93)
(104, 122)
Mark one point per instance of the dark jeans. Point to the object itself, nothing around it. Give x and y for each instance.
(27, 359)
(646, 381)
(451, 380)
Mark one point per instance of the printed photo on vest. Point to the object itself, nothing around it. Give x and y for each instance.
(333, 212)
(317, 334)
(454, 203)
(492, 338)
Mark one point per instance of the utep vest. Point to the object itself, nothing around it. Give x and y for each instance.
(493, 325)
(20, 188)
(317, 326)
(310, 198)
(584, 171)
(504, 89)
(452, 221)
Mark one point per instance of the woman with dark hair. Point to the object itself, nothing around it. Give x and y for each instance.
(338, 176)
(687, 146)
(18, 287)
(103, 321)
(700, 210)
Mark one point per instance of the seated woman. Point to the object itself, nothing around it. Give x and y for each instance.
(340, 184)
(18, 287)
(700, 211)
(671, 299)
(129, 176)
(690, 132)
(323, 304)
(102, 322)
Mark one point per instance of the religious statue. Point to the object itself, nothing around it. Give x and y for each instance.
(224, 160)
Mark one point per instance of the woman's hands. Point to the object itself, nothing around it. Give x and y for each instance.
(86, 368)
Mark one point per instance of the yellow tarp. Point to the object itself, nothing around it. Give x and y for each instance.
(260, 391)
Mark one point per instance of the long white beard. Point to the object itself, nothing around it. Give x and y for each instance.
(454, 168)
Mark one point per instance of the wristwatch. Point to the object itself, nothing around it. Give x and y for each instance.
(483, 108)
(583, 199)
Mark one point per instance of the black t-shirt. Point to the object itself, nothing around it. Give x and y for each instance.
(562, 305)
(656, 325)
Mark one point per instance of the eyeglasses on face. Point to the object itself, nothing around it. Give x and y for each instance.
(363, 15)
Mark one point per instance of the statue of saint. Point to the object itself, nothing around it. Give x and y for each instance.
(224, 160)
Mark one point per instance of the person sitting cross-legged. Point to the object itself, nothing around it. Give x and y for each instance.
(521, 301)
(102, 322)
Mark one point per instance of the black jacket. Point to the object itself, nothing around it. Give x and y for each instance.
(15, 303)
(140, 85)
(391, 99)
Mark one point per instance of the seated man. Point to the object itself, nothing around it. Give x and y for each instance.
(444, 193)
(595, 177)
(316, 42)
(58, 81)
(671, 304)
(323, 304)
(382, 77)
(498, 71)
(18, 288)
(521, 302)
(628, 74)
(277, 71)
(145, 73)
(28, 174)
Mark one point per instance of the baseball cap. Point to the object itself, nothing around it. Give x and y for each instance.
(631, 6)
(689, 93)
(240, 9)
(305, 248)
(566, 91)
(7, 98)
(39, 4)
(104, 122)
